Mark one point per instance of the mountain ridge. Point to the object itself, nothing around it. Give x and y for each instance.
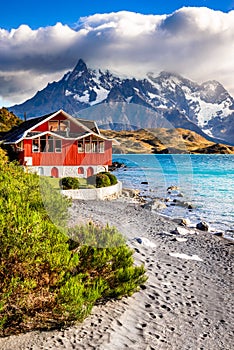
(164, 100)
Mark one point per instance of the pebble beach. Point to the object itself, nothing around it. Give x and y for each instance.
(186, 303)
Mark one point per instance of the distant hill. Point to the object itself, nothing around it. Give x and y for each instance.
(8, 120)
(165, 100)
(164, 141)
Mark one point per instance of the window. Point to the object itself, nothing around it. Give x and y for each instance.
(43, 143)
(54, 125)
(87, 147)
(101, 146)
(59, 125)
(58, 146)
(46, 144)
(81, 146)
(94, 146)
(35, 145)
(91, 146)
(50, 147)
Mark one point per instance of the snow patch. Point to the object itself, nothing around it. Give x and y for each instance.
(68, 93)
(84, 98)
(101, 95)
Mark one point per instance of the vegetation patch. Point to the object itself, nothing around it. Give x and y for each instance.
(51, 276)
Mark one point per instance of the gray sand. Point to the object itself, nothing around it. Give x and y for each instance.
(185, 305)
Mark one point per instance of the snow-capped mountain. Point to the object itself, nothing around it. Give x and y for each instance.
(167, 100)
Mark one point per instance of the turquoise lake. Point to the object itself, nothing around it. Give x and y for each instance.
(207, 181)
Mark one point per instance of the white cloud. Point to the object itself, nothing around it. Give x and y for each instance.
(195, 42)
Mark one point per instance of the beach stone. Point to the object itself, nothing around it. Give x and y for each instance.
(219, 234)
(182, 231)
(172, 188)
(155, 205)
(180, 194)
(180, 239)
(184, 222)
(202, 226)
(145, 242)
(184, 204)
(130, 193)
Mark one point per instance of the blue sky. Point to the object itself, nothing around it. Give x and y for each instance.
(42, 40)
(49, 12)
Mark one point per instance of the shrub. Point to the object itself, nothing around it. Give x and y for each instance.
(69, 183)
(112, 177)
(103, 179)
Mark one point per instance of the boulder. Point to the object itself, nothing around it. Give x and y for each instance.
(202, 226)
(155, 205)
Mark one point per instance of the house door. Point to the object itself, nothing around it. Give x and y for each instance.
(90, 171)
(54, 172)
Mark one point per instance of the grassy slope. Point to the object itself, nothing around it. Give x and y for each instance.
(164, 141)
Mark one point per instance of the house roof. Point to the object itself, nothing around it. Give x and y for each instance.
(24, 130)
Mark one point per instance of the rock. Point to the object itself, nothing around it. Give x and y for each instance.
(155, 205)
(183, 231)
(219, 234)
(202, 226)
(116, 165)
(180, 239)
(187, 205)
(172, 188)
(184, 222)
(180, 194)
(131, 193)
(145, 242)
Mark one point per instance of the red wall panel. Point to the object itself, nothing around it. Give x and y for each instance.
(69, 155)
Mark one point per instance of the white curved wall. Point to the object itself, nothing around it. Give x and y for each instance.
(109, 192)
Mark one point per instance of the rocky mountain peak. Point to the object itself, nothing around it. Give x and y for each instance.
(149, 102)
(81, 66)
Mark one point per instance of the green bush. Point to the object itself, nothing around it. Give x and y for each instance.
(103, 179)
(50, 275)
(69, 183)
(111, 176)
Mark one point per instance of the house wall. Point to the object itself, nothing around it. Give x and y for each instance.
(69, 155)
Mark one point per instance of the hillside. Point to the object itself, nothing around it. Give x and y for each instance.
(163, 140)
(8, 120)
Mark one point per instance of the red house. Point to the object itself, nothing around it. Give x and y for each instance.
(60, 145)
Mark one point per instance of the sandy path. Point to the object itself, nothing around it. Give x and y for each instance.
(185, 304)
